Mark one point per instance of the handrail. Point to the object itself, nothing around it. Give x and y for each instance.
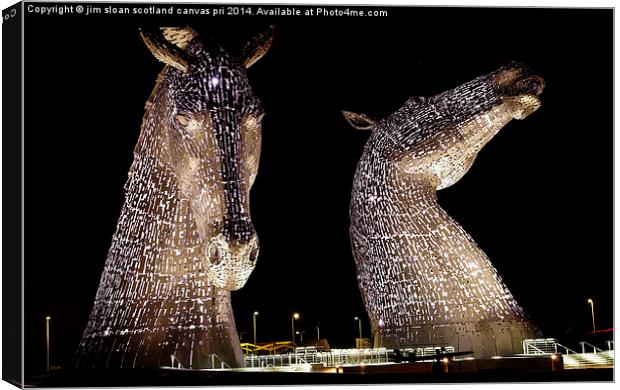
(172, 359)
(568, 350)
(547, 344)
(540, 351)
(334, 357)
(583, 347)
(222, 362)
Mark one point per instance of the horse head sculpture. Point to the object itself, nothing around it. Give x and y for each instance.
(184, 238)
(423, 279)
(213, 138)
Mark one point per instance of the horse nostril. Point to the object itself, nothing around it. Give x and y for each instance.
(532, 85)
(214, 254)
(254, 254)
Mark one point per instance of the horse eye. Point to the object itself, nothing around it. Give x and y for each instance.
(182, 119)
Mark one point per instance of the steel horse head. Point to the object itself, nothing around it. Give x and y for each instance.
(211, 130)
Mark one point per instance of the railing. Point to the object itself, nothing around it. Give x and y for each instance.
(540, 346)
(610, 345)
(358, 356)
(568, 350)
(310, 355)
(172, 359)
(223, 364)
(583, 347)
(551, 346)
(530, 348)
(279, 360)
(180, 366)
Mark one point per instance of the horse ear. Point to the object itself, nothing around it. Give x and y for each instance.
(167, 44)
(255, 48)
(179, 36)
(359, 121)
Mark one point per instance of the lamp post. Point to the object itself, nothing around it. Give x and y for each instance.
(47, 342)
(318, 333)
(359, 323)
(591, 302)
(293, 318)
(254, 323)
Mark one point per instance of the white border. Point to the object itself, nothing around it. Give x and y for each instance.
(480, 3)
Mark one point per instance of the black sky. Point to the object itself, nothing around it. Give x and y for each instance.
(538, 200)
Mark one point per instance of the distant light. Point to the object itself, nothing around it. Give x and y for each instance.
(496, 357)
(590, 301)
(215, 81)
(470, 358)
(296, 316)
(356, 318)
(554, 357)
(255, 313)
(296, 332)
(445, 360)
(48, 318)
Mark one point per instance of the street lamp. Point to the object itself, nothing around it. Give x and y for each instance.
(591, 302)
(47, 342)
(293, 318)
(359, 323)
(254, 323)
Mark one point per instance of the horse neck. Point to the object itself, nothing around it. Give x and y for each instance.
(392, 205)
(381, 183)
(152, 191)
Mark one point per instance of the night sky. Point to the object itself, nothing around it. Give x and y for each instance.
(538, 199)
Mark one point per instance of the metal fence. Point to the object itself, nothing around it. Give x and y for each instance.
(310, 355)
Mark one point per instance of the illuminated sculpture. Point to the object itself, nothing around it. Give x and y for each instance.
(184, 238)
(423, 279)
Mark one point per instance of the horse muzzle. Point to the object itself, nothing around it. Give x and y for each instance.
(229, 264)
